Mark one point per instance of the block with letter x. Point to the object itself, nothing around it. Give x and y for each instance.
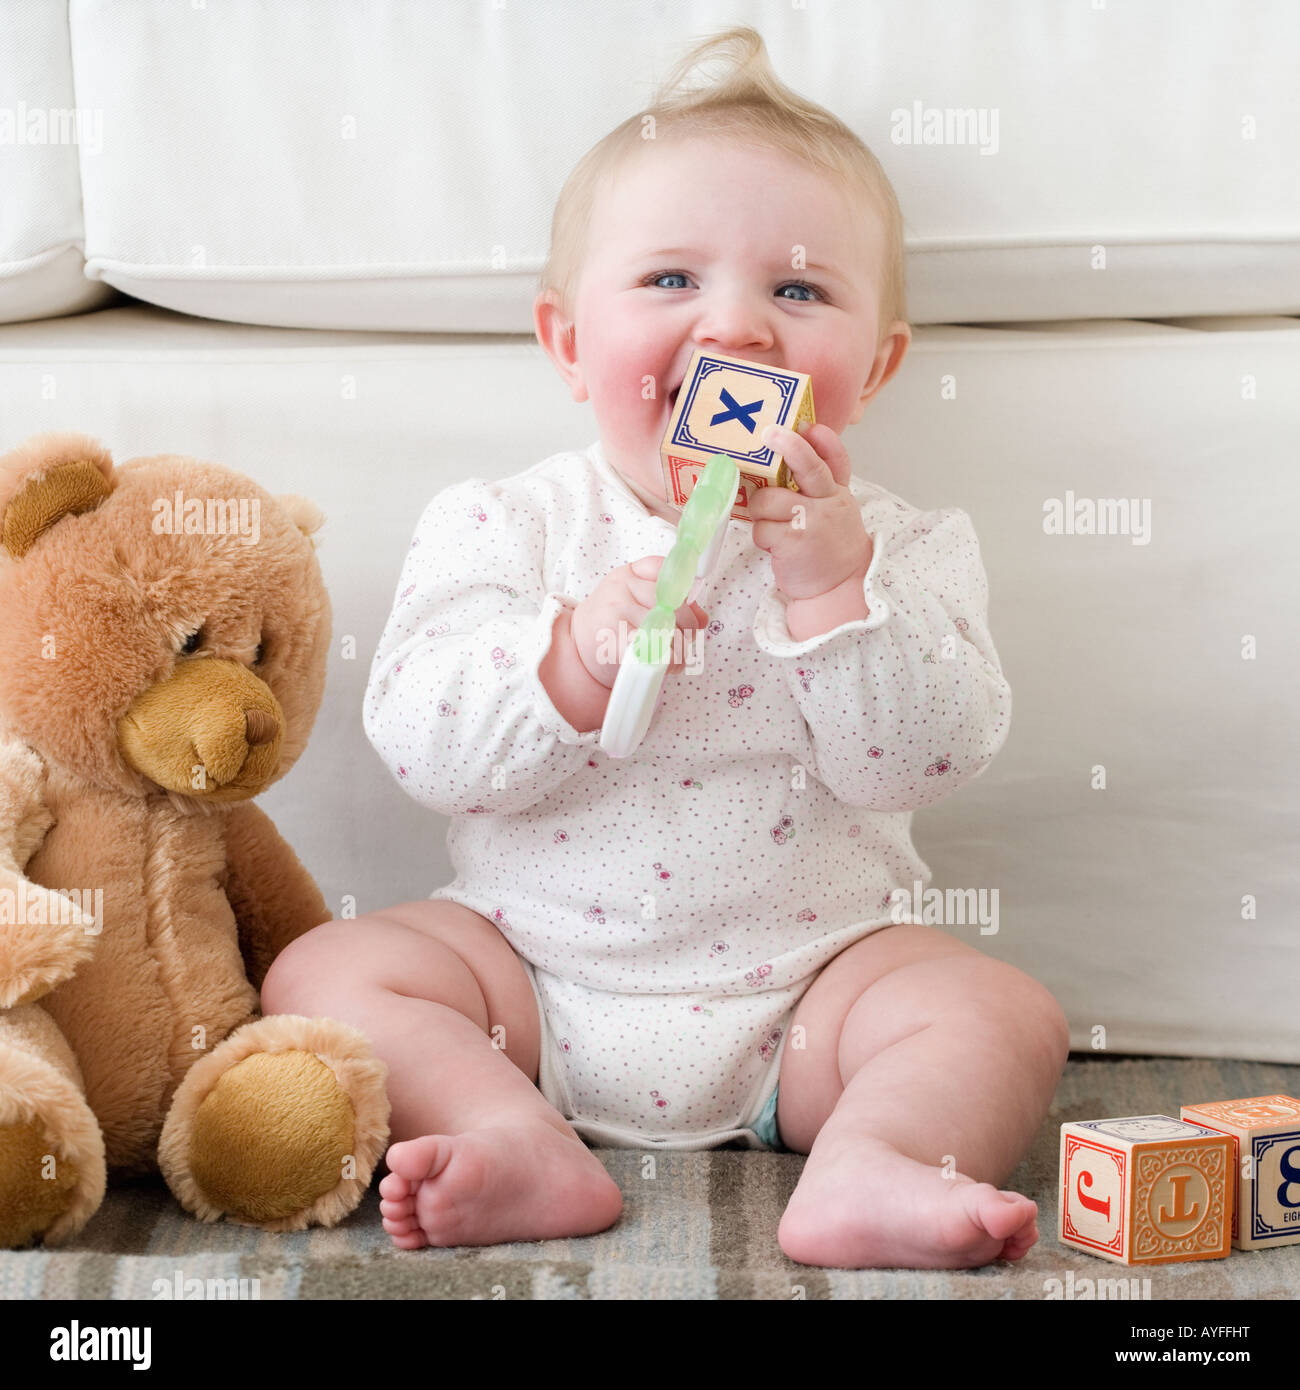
(723, 406)
(1145, 1189)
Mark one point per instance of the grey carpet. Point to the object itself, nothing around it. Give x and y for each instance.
(704, 1227)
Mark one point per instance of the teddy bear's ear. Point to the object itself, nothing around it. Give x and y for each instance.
(304, 514)
(45, 479)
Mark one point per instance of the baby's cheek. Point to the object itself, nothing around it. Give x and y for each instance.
(632, 366)
(633, 392)
(836, 387)
(834, 397)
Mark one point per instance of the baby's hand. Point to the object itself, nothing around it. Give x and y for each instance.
(815, 536)
(625, 595)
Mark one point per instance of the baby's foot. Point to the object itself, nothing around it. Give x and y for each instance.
(523, 1182)
(861, 1204)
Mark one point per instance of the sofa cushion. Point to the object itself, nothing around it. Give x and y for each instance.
(374, 167)
(42, 133)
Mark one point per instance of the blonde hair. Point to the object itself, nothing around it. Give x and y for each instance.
(747, 100)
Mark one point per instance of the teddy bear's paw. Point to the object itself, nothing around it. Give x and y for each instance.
(52, 1170)
(36, 1187)
(275, 1135)
(51, 939)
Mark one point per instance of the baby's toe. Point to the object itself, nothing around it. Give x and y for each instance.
(413, 1159)
(395, 1187)
(1001, 1214)
(1020, 1242)
(400, 1225)
(407, 1240)
(402, 1210)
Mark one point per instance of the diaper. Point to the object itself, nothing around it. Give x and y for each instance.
(766, 1128)
(664, 1071)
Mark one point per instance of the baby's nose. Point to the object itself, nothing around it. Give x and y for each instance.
(736, 327)
(749, 343)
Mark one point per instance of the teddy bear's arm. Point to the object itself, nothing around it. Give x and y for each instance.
(273, 897)
(44, 936)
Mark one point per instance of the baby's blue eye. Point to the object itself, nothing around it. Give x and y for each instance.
(799, 285)
(668, 275)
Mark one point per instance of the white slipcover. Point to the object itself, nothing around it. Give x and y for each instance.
(393, 165)
(1127, 902)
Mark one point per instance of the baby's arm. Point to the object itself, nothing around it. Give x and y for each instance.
(459, 703)
(906, 705)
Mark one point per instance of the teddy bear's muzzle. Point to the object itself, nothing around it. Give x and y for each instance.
(212, 729)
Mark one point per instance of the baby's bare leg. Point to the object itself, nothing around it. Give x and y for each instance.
(480, 1156)
(927, 1072)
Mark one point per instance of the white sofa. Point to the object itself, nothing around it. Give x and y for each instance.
(304, 239)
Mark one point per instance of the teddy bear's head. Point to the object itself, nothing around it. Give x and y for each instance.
(163, 624)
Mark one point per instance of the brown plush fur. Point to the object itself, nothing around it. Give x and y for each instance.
(126, 764)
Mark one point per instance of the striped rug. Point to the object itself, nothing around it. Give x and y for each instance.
(702, 1226)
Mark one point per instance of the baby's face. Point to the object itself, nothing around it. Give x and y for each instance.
(691, 246)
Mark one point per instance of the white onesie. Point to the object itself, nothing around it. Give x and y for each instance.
(672, 907)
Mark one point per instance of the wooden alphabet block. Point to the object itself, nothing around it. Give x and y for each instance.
(1145, 1189)
(723, 406)
(1265, 1134)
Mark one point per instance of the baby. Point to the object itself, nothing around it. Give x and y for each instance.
(699, 943)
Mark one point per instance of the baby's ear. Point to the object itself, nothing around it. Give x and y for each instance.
(48, 477)
(304, 513)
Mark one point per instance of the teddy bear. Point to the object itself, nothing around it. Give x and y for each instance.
(164, 629)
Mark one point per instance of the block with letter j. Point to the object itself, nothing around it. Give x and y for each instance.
(1145, 1189)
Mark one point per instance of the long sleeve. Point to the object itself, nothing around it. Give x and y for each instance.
(454, 703)
(909, 703)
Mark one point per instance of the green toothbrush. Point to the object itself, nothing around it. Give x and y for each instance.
(700, 534)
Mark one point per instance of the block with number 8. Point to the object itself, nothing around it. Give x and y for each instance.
(1265, 1134)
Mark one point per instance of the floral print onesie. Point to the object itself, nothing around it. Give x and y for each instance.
(672, 907)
